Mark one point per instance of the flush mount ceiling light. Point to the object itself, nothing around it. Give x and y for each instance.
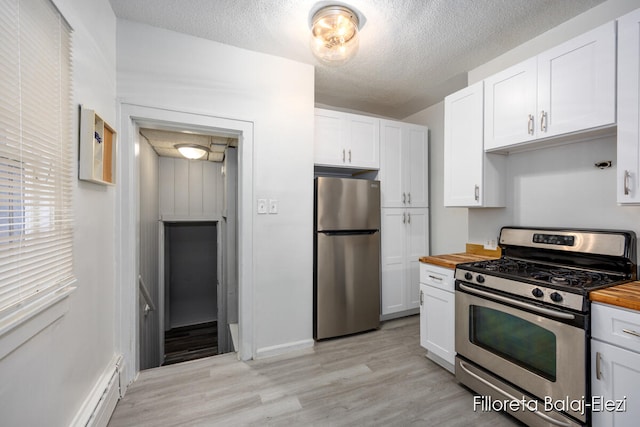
(192, 151)
(334, 34)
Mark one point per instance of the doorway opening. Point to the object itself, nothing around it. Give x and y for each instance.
(134, 311)
(191, 278)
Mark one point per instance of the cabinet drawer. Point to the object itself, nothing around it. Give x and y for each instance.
(438, 277)
(616, 325)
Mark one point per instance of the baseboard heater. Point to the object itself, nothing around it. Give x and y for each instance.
(101, 401)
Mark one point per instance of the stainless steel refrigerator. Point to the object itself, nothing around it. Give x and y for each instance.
(347, 256)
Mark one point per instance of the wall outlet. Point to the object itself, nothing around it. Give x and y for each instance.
(490, 244)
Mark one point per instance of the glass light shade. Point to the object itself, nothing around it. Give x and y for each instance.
(192, 152)
(334, 34)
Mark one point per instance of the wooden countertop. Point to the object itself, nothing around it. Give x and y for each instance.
(626, 295)
(474, 253)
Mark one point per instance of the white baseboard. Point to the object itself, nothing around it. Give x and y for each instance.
(283, 348)
(97, 408)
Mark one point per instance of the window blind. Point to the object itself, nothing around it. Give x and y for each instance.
(35, 153)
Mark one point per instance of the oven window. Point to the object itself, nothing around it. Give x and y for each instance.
(515, 339)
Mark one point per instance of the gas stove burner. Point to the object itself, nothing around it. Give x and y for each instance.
(571, 278)
(503, 265)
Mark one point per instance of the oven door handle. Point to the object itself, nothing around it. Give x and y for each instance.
(541, 310)
(511, 397)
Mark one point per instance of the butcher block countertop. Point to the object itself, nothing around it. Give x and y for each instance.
(626, 295)
(473, 253)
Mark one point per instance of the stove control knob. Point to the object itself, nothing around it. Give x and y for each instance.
(537, 292)
(556, 297)
(468, 276)
(480, 279)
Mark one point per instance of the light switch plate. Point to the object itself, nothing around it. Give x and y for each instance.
(262, 206)
(273, 206)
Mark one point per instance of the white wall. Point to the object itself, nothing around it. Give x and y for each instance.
(149, 255)
(448, 226)
(559, 187)
(46, 380)
(164, 69)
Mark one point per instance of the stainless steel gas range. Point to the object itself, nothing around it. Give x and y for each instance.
(523, 325)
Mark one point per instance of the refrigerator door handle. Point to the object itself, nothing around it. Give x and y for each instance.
(347, 232)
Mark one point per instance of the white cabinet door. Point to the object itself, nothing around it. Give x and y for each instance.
(417, 246)
(417, 166)
(577, 84)
(393, 260)
(463, 147)
(615, 375)
(628, 168)
(510, 105)
(328, 140)
(363, 147)
(440, 323)
(392, 169)
(405, 238)
(404, 166)
(472, 178)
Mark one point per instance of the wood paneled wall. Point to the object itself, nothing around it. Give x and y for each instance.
(190, 188)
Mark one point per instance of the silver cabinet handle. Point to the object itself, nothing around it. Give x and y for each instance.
(510, 396)
(408, 218)
(349, 156)
(530, 125)
(627, 175)
(421, 298)
(435, 277)
(631, 332)
(477, 193)
(598, 370)
(543, 121)
(404, 198)
(343, 155)
(404, 218)
(409, 198)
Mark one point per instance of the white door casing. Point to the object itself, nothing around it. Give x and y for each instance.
(127, 228)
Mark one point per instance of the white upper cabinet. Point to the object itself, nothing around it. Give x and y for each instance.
(346, 140)
(404, 165)
(567, 89)
(472, 178)
(510, 103)
(628, 168)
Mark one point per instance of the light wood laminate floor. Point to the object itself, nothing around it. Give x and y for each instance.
(379, 378)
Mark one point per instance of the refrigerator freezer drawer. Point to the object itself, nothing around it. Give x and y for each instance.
(347, 294)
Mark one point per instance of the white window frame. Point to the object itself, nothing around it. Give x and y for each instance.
(36, 170)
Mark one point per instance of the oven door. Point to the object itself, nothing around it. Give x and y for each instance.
(538, 349)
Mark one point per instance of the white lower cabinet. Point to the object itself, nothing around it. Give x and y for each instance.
(405, 238)
(437, 310)
(615, 366)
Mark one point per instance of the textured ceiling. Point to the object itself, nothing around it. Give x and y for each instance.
(412, 52)
(164, 143)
